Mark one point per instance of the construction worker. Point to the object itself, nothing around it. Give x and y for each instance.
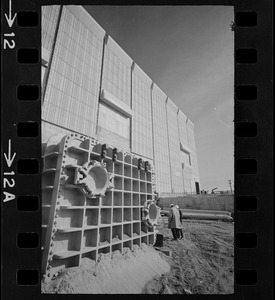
(179, 230)
(174, 221)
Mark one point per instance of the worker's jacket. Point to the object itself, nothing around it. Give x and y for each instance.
(174, 218)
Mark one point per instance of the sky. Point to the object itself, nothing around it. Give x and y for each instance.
(188, 51)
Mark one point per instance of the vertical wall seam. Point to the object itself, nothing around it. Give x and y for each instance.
(131, 105)
(180, 151)
(169, 156)
(196, 158)
(152, 121)
(48, 70)
(189, 154)
(178, 125)
(131, 85)
(188, 142)
(100, 80)
(187, 132)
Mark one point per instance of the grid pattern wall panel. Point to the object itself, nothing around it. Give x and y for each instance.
(182, 128)
(49, 15)
(161, 150)
(142, 119)
(174, 147)
(76, 226)
(72, 93)
(116, 76)
(193, 154)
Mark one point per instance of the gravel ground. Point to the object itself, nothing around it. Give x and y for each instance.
(201, 263)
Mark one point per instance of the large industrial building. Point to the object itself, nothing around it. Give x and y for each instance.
(90, 86)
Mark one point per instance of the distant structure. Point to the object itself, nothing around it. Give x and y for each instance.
(90, 86)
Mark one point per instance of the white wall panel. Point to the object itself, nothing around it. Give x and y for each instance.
(161, 150)
(142, 140)
(182, 127)
(174, 147)
(192, 146)
(117, 72)
(74, 79)
(159, 130)
(49, 18)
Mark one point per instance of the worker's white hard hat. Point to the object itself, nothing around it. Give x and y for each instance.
(177, 206)
(171, 205)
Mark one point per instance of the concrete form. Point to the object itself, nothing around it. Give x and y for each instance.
(95, 199)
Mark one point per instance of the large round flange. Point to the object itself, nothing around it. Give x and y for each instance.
(93, 179)
(150, 213)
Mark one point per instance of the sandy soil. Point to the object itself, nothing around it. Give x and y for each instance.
(121, 273)
(201, 263)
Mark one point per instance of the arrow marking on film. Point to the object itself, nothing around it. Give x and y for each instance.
(9, 158)
(9, 18)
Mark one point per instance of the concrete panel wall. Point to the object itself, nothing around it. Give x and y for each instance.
(49, 18)
(142, 140)
(188, 179)
(187, 168)
(116, 78)
(161, 149)
(90, 71)
(182, 128)
(71, 97)
(113, 128)
(113, 123)
(174, 147)
(192, 146)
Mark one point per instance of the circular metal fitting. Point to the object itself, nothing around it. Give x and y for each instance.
(93, 179)
(150, 213)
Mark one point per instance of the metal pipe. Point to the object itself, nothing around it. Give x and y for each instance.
(202, 215)
(218, 212)
(206, 216)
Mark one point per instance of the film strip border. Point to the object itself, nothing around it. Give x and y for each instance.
(21, 147)
(253, 180)
(21, 137)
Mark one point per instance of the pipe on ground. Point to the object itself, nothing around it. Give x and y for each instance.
(203, 211)
(207, 216)
(202, 215)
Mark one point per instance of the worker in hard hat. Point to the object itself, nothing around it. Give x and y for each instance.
(174, 221)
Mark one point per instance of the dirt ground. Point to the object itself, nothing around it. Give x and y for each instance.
(123, 272)
(201, 263)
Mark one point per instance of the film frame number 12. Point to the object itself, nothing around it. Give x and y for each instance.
(9, 42)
